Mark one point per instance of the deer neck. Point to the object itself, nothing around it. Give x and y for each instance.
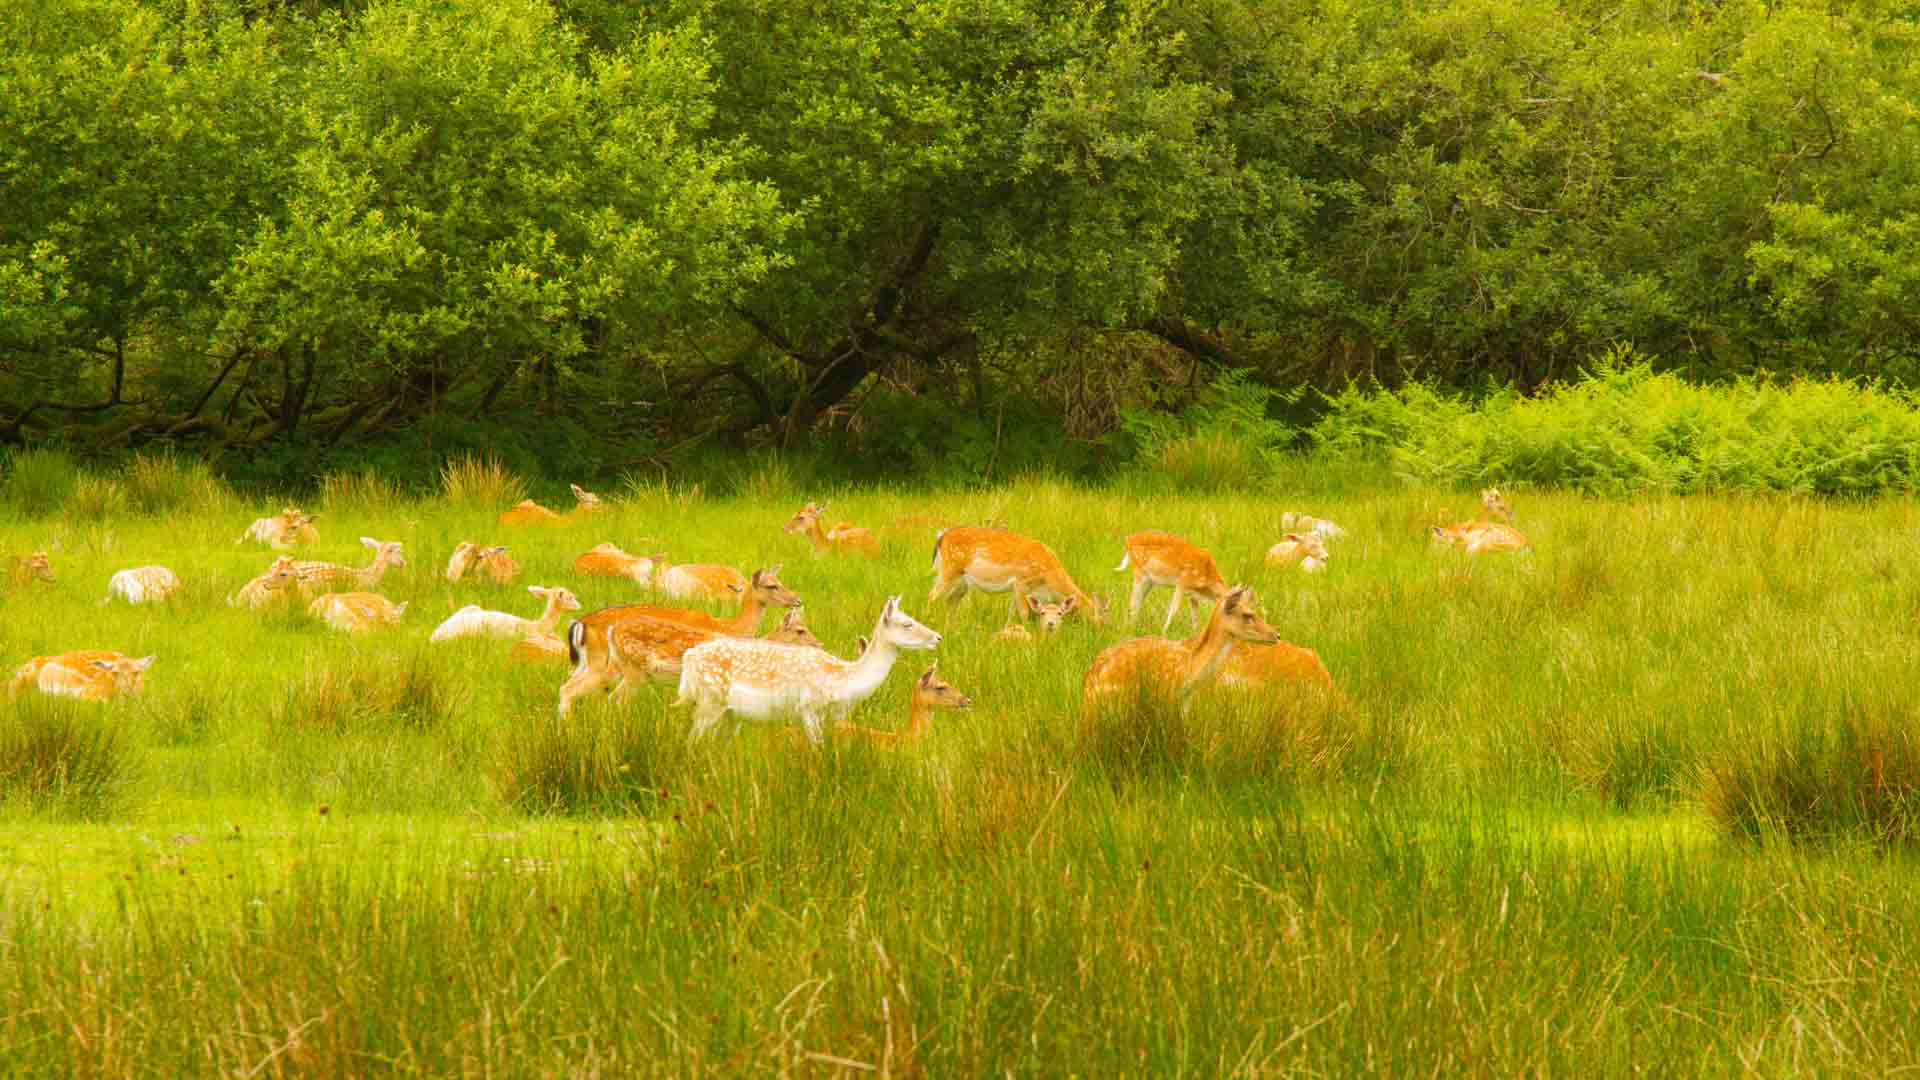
(865, 675)
(747, 619)
(817, 535)
(919, 717)
(550, 616)
(1206, 651)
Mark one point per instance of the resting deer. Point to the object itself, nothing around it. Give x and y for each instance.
(319, 577)
(643, 650)
(1159, 558)
(89, 674)
(1177, 667)
(1279, 664)
(27, 569)
(587, 638)
(284, 530)
(1481, 534)
(995, 560)
(494, 562)
(1305, 550)
(475, 621)
(845, 538)
(759, 680)
(356, 612)
(143, 585)
(1294, 521)
(1049, 612)
(586, 502)
(278, 585)
(607, 560)
(930, 692)
(528, 512)
(709, 581)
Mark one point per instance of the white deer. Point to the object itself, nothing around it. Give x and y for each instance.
(475, 621)
(761, 680)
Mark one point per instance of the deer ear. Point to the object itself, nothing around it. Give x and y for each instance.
(537, 590)
(142, 663)
(927, 676)
(369, 541)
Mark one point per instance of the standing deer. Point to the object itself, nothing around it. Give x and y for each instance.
(995, 560)
(316, 577)
(494, 562)
(475, 621)
(1482, 534)
(845, 538)
(759, 680)
(89, 674)
(1177, 667)
(643, 650)
(1159, 558)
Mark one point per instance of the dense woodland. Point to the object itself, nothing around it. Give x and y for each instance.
(284, 230)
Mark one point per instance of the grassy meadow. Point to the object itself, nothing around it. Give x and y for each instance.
(1640, 801)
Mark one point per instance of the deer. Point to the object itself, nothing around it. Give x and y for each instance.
(1178, 667)
(709, 581)
(845, 538)
(644, 650)
(356, 612)
(1482, 534)
(1049, 612)
(283, 531)
(27, 569)
(588, 648)
(1252, 666)
(475, 621)
(142, 585)
(89, 674)
(930, 692)
(1295, 521)
(469, 557)
(1159, 558)
(528, 512)
(277, 585)
(607, 560)
(319, 577)
(761, 680)
(586, 502)
(995, 560)
(1305, 550)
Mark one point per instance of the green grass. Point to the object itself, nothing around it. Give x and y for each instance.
(1637, 801)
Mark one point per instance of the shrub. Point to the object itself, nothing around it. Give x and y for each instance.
(480, 481)
(1826, 778)
(39, 481)
(1227, 441)
(373, 691)
(164, 483)
(594, 760)
(96, 498)
(364, 488)
(66, 759)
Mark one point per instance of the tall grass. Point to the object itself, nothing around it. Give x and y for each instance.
(364, 490)
(66, 760)
(1853, 777)
(480, 481)
(38, 480)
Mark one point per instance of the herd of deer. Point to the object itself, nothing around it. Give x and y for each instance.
(719, 664)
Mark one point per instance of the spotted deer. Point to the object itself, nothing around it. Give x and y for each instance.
(491, 562)
(27, 569)
(283, 531)
(1177, 667)
(587, 638)
(644, 650)
(276, 586)
(528, 512)
(607, 560)
(995, 560)
(709, 581)
(1159, 558)
(1049, 612)
(1305, 550)
(89, 674)
(1251, 666)
(475, 621)
(1483, 534)
(319, 577)
(356, 612)
(586, 502)
(930, 692)
(1295, 521)
(845, 538)
(142, 585)
(760, 680)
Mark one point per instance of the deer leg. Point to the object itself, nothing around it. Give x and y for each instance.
(1142, 585)
(1018, 609)
(1173, 609)
(705, 715)
(950, 586)
(815, 728)
(585, 680)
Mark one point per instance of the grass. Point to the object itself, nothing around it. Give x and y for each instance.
(1640, 801)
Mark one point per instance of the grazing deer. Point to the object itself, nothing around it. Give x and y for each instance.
(278, 585)
(1177, 666)
(1481, 534)
(759, 680)
(475, 621)
(1159, 558)
(320, 577)
(469, 557)
(27, 569)
(995, 560)
(1279, 664)
(1294, 521)
(356, 612)
(645, 650)
(1049, 612)
(709, 581)
(588, 648)
(607, 560)
(143, 585)
(1305, 550)
(89, 674)
(845, 538)
(930, 692)
(284, 530)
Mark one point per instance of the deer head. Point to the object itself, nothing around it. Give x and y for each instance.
(126, 673)
(933, 690)
(767, 586)
(1242, 621)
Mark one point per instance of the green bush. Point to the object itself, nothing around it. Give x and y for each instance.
(1227, 441)
(68, 760)
(39, 481)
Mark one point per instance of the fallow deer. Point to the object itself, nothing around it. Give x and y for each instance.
(645, 650)
(1305, 550)
(143, 585)
(528, 512)
(493, 562)
(1049, 612)
(607, 560)
(845, 538)
(356, 612)
(319, 577)
(1159, 558)
(1177, 667)
(586, 502)
(88, 674)
(284, 530)
(1295, 521)
(1279, 664)
(27, 569)
(277, 586)
(930, 692)
(995, 560)
(709, 581)
(759, 680)
(1483, 535)
(475, 621)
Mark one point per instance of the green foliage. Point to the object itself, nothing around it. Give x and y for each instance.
(482, 482)
(39, 480)
(66, 760)
(1226, 441)
(1824, 779)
